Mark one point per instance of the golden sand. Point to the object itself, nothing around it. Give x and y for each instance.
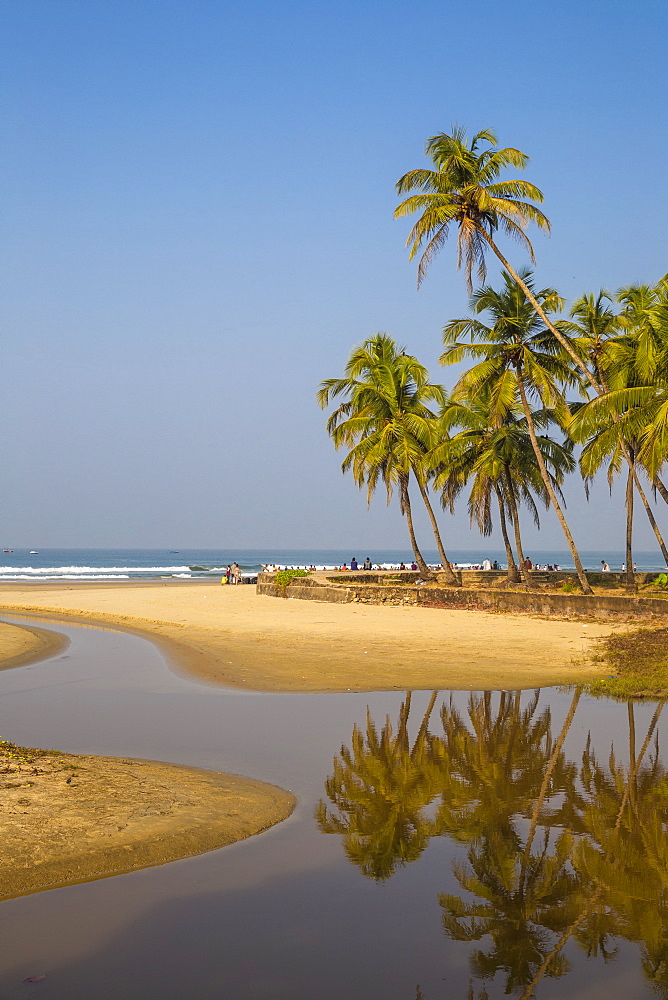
(233, 636)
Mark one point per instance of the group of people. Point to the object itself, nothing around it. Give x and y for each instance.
(232, 574)
(354, 565)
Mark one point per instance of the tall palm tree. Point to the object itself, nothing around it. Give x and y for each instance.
(516, 359)
(629, 354)
(463, 192)
(494, 453)
(388, 426)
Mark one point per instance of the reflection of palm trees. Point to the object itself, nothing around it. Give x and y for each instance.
(554, 853)
(493, 764)
(524, 898)
(613, 871)
(381, 787)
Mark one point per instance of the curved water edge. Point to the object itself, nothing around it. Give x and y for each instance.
(30, 645)
(304, 911)
(69, 818)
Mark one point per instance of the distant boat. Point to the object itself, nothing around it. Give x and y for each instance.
(174, 552)
(34, 552)
(8, 550)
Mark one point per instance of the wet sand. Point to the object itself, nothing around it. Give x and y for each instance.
(20, 644)
(232, 636)
(67, 818)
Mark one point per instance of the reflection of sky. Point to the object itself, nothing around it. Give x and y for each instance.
(282, 915)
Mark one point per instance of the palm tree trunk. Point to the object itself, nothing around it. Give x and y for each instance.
(538, 805)
(596, 386)
(406, 509)
(543, 315)
(582, 576)
(656, 482)
(524, 572)
(630, 575)
(648, 509)
(651, 518)
(513, 575)
(445, 562)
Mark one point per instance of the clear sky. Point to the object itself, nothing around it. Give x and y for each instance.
(197, 228)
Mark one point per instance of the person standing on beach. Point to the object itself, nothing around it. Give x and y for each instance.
(228, 573)
(236, 573)
(604, 566)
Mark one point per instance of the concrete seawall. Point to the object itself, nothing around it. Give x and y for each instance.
(367, 590)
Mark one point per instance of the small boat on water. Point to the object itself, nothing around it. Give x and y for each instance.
(8, 550)
(34, 552)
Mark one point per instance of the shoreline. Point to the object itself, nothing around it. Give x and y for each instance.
(68, 818)
(232, 636)
(24, 644)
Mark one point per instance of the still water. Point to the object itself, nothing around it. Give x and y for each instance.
(443, 845)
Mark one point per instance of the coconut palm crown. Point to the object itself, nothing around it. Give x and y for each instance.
(462, 191)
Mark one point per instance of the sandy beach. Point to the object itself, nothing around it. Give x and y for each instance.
(232, 636)
(65, 818)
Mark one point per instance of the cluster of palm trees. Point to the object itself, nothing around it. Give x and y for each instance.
(541, 381)
(555, 852)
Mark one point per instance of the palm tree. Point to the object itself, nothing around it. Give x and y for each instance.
(516, 358)
(621, 424)
(388, 426)
(495, 453)
(463, 191)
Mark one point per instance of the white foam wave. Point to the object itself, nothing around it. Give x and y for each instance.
(89, 570)
(69, 576)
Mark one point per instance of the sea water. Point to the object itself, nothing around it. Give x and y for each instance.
(201, 564)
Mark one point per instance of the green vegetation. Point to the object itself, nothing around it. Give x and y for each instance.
(638, 662)
(284, 578)
(507, 432)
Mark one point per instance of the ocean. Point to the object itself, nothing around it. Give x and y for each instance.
(203, 564)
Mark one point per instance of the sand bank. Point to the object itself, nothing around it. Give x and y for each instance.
(20, 645)
(233, 636)
(68, 818)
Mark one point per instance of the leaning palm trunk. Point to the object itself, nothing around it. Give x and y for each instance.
(582, 576)
(513, 575)
(596, 386)
(658, 485)
(445, 562)
(514, 513)
(630, 575)
(650, 517)
(406, 510)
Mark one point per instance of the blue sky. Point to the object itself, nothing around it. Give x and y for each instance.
(198, 227)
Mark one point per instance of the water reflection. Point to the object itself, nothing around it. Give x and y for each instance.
(556, 854)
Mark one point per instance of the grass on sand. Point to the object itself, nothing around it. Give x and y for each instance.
(638, 662)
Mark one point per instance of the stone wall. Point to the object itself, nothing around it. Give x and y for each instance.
(623, 608)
